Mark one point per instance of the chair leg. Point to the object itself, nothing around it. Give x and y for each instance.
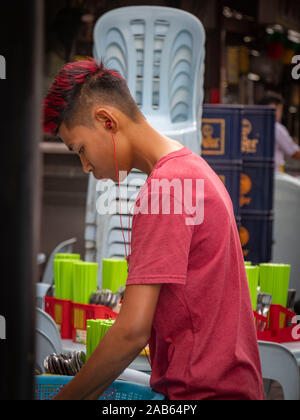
(267, 386)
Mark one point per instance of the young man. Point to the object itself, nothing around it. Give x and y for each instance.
(284, 144)
(187, 292)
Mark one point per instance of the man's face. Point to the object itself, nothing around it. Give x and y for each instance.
(94, 147)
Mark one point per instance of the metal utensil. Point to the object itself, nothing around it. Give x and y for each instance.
(264, 301)
(291, 299)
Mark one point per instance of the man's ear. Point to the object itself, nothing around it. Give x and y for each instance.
(103, 117)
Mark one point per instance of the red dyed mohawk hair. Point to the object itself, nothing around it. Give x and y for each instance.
(62, 96)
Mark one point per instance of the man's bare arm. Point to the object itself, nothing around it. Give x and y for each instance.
(120, 346)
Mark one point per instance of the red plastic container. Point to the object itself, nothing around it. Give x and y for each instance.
(261, 324)
(82, 312)
(61, 311)
(281, 326)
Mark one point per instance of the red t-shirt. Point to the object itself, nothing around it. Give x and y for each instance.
(203, 343)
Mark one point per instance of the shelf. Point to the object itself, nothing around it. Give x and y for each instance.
(54, 148)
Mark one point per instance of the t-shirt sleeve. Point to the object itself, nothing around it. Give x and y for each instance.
(285, 142)
(160, 246)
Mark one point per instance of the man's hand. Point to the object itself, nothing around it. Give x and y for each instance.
(120, 346)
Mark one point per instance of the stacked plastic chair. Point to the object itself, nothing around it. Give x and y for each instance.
(286, 225)
(160, 52)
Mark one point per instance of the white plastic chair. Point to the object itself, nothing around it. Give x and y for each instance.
(160, 52)
(103, 234)
(48, 276)
(280, 365)
(48, 339)
(41, 291)
(64, 248)
(287, 226)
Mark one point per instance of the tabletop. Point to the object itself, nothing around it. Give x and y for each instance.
(141, 363)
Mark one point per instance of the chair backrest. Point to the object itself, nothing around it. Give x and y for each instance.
(41, 291)
(286, 225)
(103, 234)
(160, 52)
(280, 365)
(63, 248)
(48, 339)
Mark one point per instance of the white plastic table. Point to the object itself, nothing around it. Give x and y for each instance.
(140, 363)
(294, 348)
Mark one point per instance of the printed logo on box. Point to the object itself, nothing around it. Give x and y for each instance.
(213, 136)
(222, 178)
(249, 145)
(246, 187)
(244, 238)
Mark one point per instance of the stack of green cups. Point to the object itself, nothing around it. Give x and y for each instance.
(63, 275)
(67, 256)
(253, 277)
(85, 281)
(274, 280)
(114, 274)
(95, 330)
(248, 263)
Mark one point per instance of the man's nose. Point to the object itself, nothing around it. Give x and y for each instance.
(86, 166)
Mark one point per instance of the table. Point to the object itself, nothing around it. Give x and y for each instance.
(140, 363)
(294, 348)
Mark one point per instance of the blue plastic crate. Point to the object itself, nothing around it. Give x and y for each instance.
(257, 185)
(257, 132)
(221, 132)
(48, 386)
(256, 234)
(230, 174)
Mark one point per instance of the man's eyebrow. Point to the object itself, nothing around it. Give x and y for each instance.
(70, 147)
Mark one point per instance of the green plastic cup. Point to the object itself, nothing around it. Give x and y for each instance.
(274, 280)
(96, 330)
(114, 274)
(67, 256)
(253, 276)
(85, 281)
(63, 278)
(63, 275)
